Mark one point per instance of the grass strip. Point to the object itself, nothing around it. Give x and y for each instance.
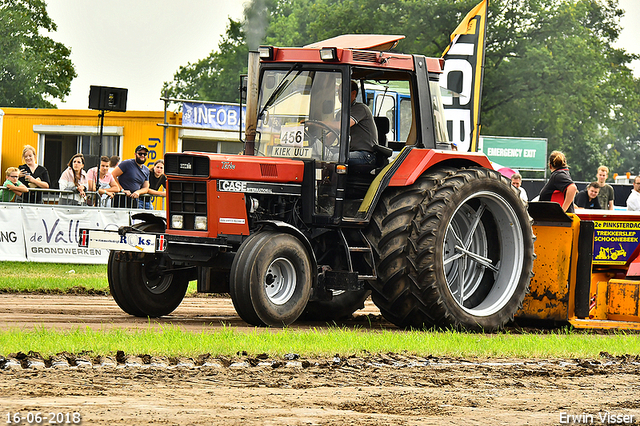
(31, 277)
(57, 278)
(319, 342)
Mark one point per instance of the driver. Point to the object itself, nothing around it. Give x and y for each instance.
(364, 135)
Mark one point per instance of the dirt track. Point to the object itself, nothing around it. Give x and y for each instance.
(378, 390)
(65, 312)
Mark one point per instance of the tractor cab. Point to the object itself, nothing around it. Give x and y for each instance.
(304, 109)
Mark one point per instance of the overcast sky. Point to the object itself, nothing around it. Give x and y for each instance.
(136, 44)
(139, 44)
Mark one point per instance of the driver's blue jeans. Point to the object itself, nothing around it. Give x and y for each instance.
(361, 158)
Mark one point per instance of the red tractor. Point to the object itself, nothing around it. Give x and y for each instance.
(435, 236)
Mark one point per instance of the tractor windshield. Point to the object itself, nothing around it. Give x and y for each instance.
(300, 114)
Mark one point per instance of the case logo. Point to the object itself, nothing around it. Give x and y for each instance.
(232, 186)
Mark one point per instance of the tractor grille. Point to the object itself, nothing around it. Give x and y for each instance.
(186, 165)
(188, 199)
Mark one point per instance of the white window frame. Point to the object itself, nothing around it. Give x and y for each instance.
(43, 130)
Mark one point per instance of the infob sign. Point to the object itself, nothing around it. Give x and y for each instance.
(213, 116)
(516, 153)
(614, 241)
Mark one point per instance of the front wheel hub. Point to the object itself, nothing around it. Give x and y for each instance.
(280, 281)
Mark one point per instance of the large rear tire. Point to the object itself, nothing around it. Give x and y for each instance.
(453, 250)
(140, 284)
(270, 280)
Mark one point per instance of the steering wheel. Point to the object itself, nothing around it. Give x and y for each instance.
(328, 150)
(323, 126)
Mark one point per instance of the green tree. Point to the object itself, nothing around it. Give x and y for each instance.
(34, 69)
(625, 142)
(425, 23)
(292, 23)
(551, 71)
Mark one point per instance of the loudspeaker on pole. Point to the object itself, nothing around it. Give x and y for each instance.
(108, 98)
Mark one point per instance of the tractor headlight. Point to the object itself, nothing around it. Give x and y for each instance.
(201, 223)
(266, 52)
(177, 221)
(329, 54)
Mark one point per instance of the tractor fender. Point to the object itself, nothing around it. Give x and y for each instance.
(420, 160)
(410, 164)
(150, 218)
(292, 230)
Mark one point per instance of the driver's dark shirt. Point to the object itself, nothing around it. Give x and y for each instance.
(364, 134)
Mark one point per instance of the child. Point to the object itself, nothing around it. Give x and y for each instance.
(13, 185)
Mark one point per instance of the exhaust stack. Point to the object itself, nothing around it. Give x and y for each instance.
(252, 102)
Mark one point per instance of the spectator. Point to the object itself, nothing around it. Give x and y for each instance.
(133, 177)
(107, 185)
(157, 180)
(13, 187)
(516, 180)
(113, 162)
(588, 198)
(607, 194)
(32, 175)
(74, 178)
(560, 186)
(633, 202)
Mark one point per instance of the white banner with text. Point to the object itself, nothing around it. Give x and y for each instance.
(50, 234)
(12, 246)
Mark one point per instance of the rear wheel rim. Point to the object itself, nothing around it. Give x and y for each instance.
(280, 281)
(467, 248)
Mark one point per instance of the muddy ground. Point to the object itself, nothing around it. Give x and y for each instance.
(388, 389)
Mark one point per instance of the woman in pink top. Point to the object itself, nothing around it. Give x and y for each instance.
(74, 178)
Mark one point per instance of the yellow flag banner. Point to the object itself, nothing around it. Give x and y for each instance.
(463, 73)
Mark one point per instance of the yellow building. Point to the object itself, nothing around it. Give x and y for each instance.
(58, 134)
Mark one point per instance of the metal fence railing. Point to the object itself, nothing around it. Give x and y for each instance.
(73, 198)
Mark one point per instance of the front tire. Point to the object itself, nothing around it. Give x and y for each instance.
(270, 280)
(116, 286)
(140, 284)
(461, 258)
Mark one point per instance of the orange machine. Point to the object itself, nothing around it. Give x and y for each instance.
(587, 270)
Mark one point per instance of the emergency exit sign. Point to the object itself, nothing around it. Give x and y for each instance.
(516, 153)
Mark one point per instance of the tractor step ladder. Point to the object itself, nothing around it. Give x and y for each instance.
(359, 253)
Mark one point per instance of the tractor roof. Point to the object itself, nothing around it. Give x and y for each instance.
(370, 50)
(378, 42)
